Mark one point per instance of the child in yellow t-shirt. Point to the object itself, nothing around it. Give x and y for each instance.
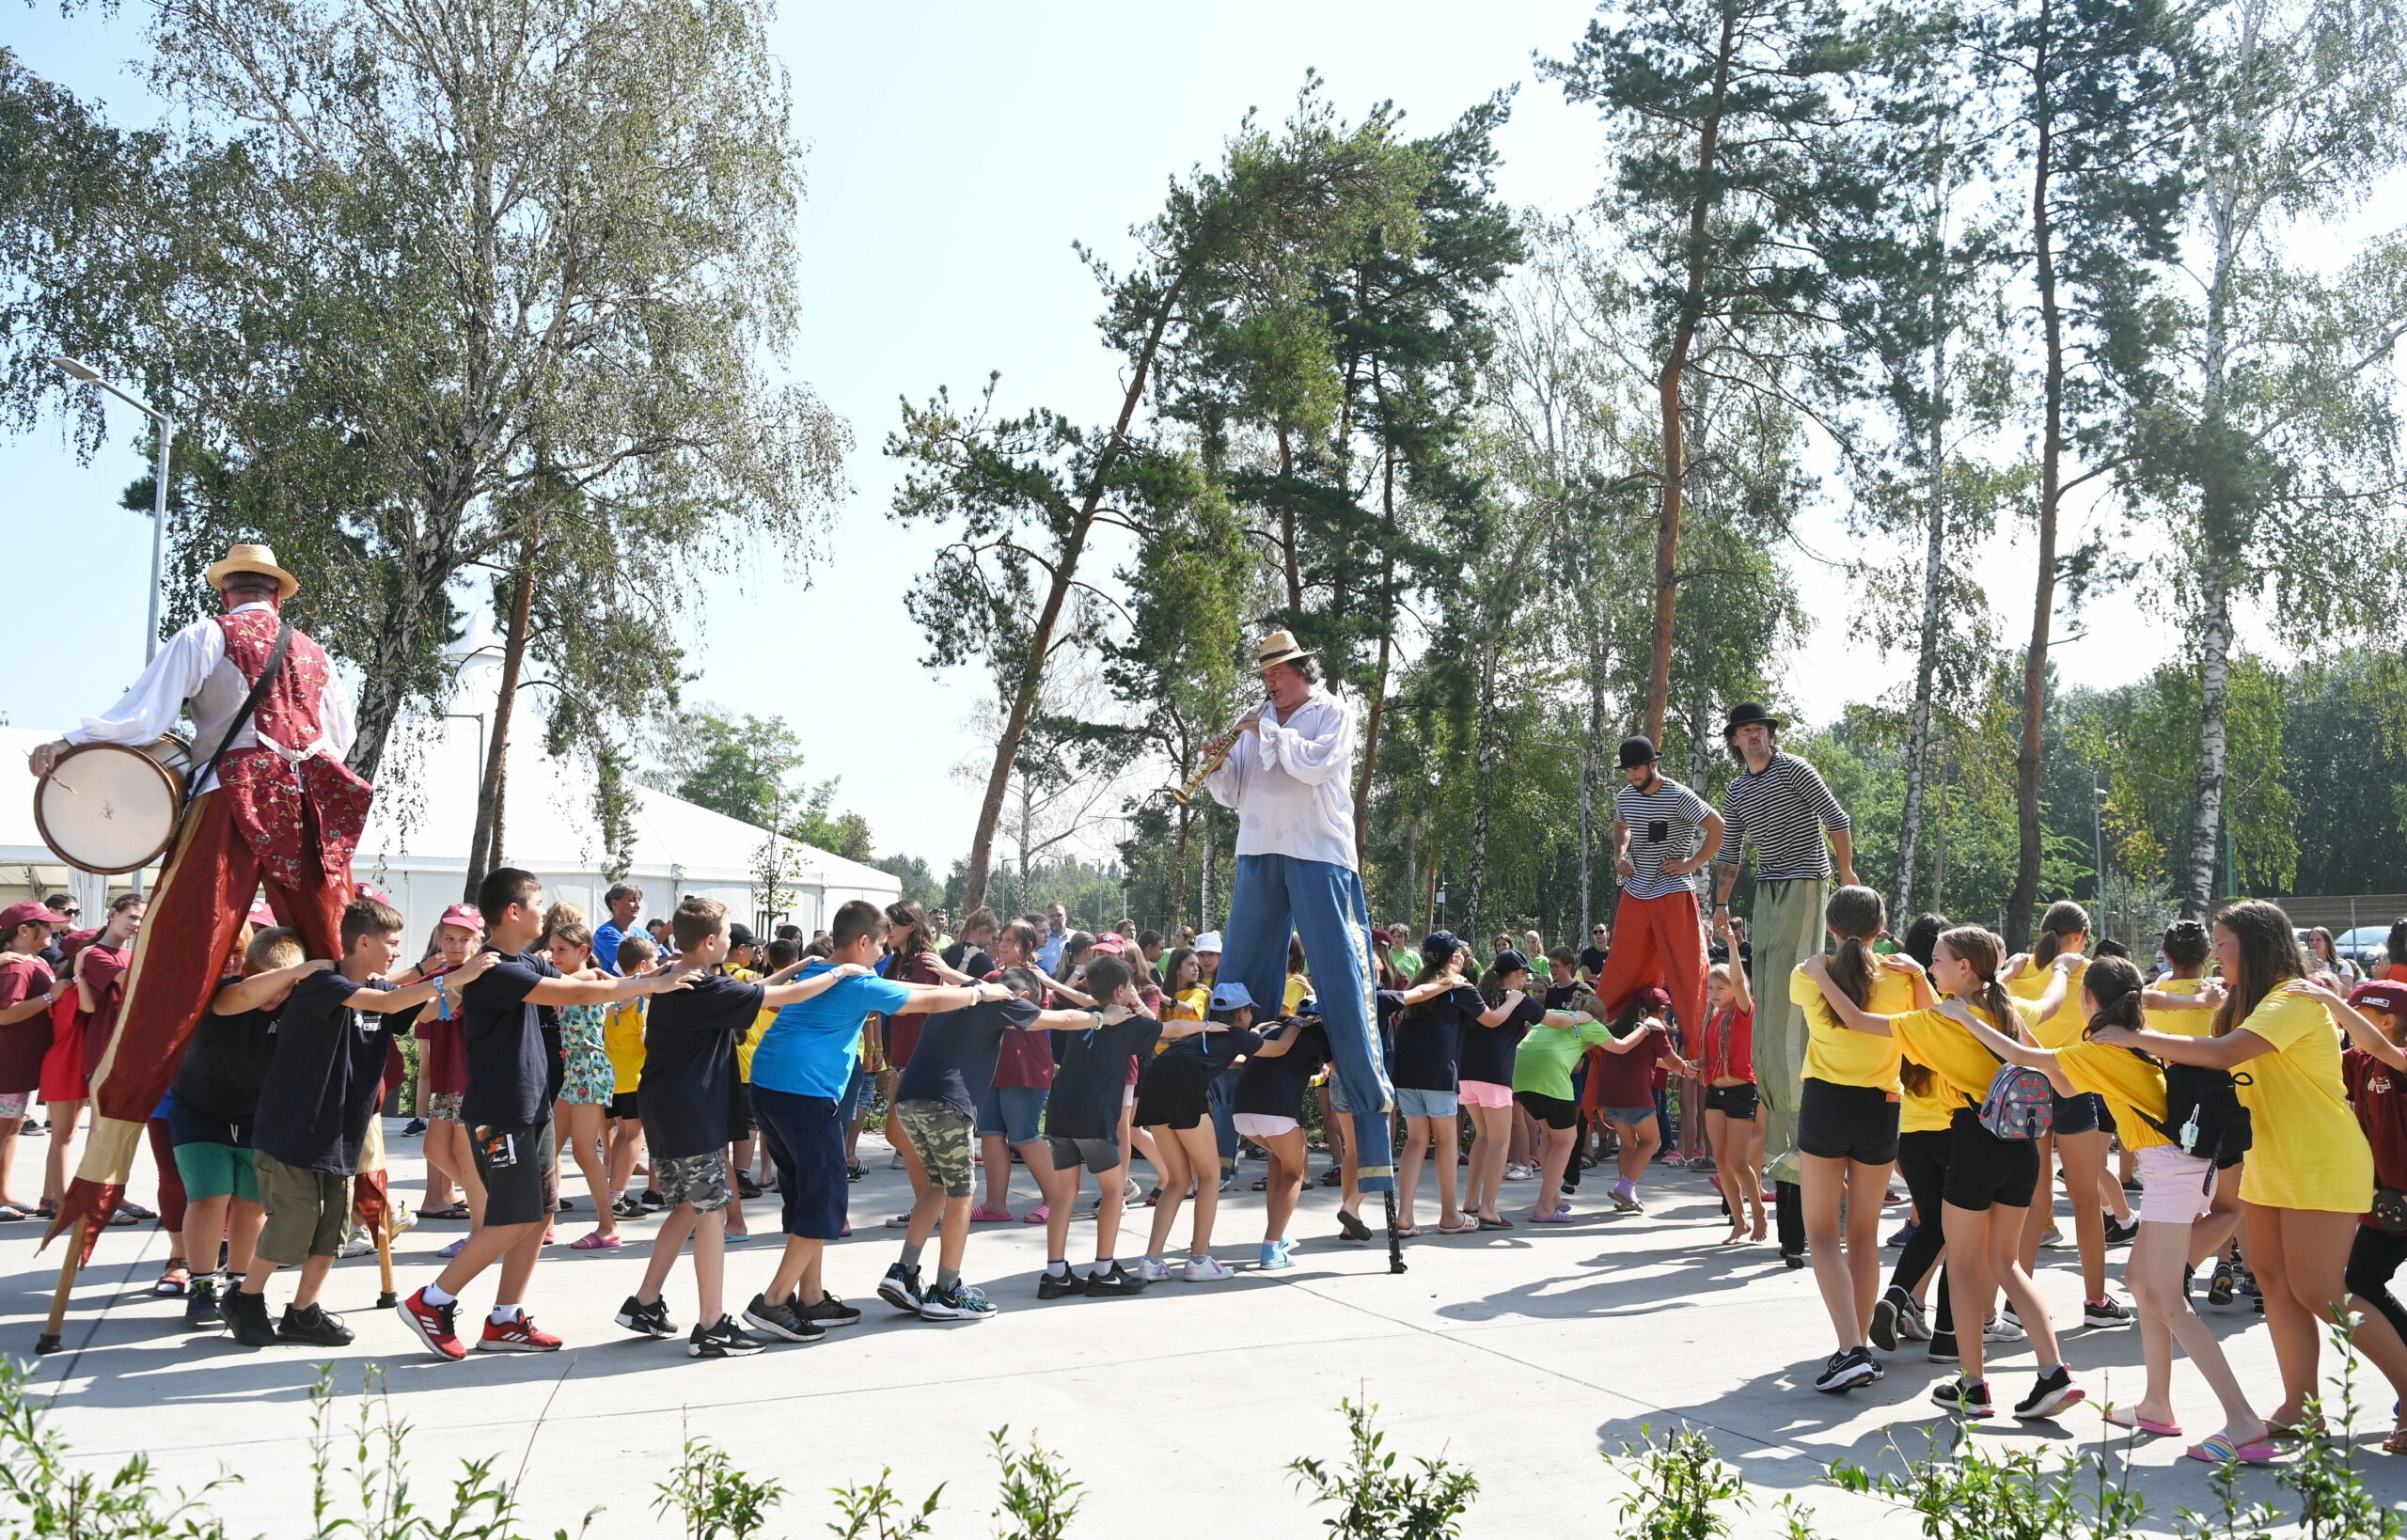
(622, 1040)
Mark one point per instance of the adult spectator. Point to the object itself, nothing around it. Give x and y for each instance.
(1779, 804)
(1057, 931)
(1592, 956)
(625, 901)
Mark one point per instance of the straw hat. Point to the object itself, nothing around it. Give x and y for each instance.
(1279, 647)
(253, 559)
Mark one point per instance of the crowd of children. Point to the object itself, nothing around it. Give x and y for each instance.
(2254, 1102)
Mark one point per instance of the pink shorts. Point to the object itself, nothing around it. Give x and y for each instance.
(1485, 1093)
(2174, 1189)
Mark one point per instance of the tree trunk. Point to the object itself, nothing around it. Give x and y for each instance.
(1379, 688)
(1482, 778)
(1927, 658)
(1287, 523)
(1938, 852)
(1178, 883)
(485, 845)
(1040, 642)
(2052, 448)
(1667, 385)
(2219, 556)
(2207, 822)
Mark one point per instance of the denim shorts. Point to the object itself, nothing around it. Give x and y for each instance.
(1014, 1113)
(1426, 1104)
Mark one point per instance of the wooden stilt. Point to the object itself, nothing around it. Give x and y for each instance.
(385, 1260)
(1395, 1242)
(53, 1328)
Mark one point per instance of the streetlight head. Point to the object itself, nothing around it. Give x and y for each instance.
(79, 368)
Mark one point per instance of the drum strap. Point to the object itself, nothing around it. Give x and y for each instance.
(250, 702)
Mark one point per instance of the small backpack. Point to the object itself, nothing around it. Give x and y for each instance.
(2021, 1104)
(2202, 1112)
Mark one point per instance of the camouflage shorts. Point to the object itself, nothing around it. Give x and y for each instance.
(700, 1180)
(941, 1134)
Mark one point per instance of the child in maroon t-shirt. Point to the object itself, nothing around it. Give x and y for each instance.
(2378, 1091)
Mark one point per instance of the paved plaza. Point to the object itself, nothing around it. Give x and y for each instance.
(1520, 1354)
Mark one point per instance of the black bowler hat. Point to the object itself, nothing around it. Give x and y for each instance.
(1638, 751)
(1747, 714)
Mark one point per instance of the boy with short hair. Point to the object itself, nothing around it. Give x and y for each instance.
(936, 1102)
(28, 989)
(623, 1040)
(800, 1073)
(514, 1078)
(332, 1034)
(1083, 1117)
(690, 1101)
(214, 1108)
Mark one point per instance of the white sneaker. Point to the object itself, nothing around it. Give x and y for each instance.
(403, 1219)
(1131, 1190)
(1521, 1173)
(357, 1243)
(894, 1162)
(1205, 1269)
(2003, 1330)
(2055, 1239)
(1150, 1269)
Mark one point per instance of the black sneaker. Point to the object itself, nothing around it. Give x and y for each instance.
(311, 1323)
(958, 1303)
(2051, 1394)
(647, 1320)
(247, 1316)
(900, 1288)
(1115, 1285)
(416, 1126)
(2097, 1315)
(1846, 1370)
(723, 1341)
(626, 1208)
(855, 1170)
(1942, 1348)
(745, 1186)
(1059, 1286)
(829, 1311)
(1795, 1260)
(650, 1197)
(2120, 1233)
(2219, 1287)
(1913, 1325)
(1884, 1319)
(780, 1321)
(200, 1303)
(1964, 1397)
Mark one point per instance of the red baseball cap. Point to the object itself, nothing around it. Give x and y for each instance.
(369, 890)
(1112, 944)
(1654, 1000)
(2388, 994)
(28, 913)
(263, 915)
(467, 916)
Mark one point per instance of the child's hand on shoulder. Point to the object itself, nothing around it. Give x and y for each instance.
(2312, 990)
(1902, 961)
(852, 970)
(475, 967)
(1815, 967)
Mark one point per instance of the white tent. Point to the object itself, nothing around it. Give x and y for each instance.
(415, 847)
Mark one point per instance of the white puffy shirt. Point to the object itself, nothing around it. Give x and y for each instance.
(193, 667)
(1292, 783)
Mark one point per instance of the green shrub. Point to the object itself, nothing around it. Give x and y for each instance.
(1376, 1499)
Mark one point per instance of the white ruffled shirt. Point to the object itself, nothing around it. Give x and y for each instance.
(1292, 783)
(194, 667)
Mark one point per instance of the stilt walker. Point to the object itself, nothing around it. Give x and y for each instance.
(273, 806)
(1289, 775)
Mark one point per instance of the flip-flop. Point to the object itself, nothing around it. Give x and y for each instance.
(1352, 1227)
(2214, 1448)
(2285, 1432)
(982, 1215)
(1558, 1217)
(136, 1210)
(1472, 1229)
(1405, 1232)
(1486, 1223)
(125, 1217)
(2115, 1418)
(456, 1211)
(593, 1240)
(9, 1212)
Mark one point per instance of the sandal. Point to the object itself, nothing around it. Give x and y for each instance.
(593, 1240)
(2395, 1443)
(982, 1215)
(1486, 1223)
(1404, 1232)
(9, 1212)
(2117, 1418)
(1352, 1227)
(125, 1206)
(1262, 1183)
(173, 1282)
(1333, 1177)
(125, 1217)
(1467, 1229)
(1038, 1215)
(2214, 1448)
(456, 1211)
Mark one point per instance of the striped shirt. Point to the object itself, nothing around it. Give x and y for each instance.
(1662, 825)
(1783, 807)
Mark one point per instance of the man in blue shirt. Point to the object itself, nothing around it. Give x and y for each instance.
(626, 901)
(1057, 934)
(800, 1072)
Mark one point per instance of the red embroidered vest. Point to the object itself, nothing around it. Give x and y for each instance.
(292, 815)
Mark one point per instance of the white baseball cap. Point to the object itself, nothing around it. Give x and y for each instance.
(1208, 941)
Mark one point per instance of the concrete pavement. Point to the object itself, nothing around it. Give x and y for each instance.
(1519, 1354)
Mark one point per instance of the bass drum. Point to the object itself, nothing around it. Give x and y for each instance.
(112, 808)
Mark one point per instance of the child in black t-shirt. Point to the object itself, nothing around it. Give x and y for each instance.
(1082, 1117)
(690, 1101)
(215, 1105)
(331, 1037)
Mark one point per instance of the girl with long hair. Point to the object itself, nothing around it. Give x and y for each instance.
(2323, 957)
(581, 1115)
(1925, 1115)
(1733, 1108)
(2309, 1171)
(2178, 1191)
(1846, 1123)
(2077, 1136)
(911, 957)
(1990, 1179)
(2183, 1004)
(1485, 1082)
(1428, 1058)
(1174, 1097)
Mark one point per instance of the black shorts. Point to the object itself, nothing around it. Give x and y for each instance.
(747, 1121)
(1551, 1110)
(1846, 1123)
(622, 1105)
(1982, 1168)
(805, 1136)
(516, 1166)
(2078, 1113)
(1176, 1091)
(1738, 1102)
(1099, 1156)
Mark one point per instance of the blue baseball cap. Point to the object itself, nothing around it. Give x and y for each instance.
(1437, 947)
(1229, 997)
(1509, 961)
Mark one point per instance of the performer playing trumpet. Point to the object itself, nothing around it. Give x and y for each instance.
(1289, 775)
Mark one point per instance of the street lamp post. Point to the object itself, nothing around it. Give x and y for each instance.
(2098, 845)
(165, 426)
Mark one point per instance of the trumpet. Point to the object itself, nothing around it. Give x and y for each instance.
(1216, 754)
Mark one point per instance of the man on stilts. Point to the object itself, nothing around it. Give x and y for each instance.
(1779, 802)
(1290, 778)
(275, 805)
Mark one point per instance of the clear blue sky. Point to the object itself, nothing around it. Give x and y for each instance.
(955, 153)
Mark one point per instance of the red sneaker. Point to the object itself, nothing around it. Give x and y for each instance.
(520, 1336)
(433, 1326)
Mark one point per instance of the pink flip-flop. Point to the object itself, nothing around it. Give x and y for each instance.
(2214, 1448)
(2115, 1418)
(593, 1240)
(1038, 1215)
(982, 1215)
